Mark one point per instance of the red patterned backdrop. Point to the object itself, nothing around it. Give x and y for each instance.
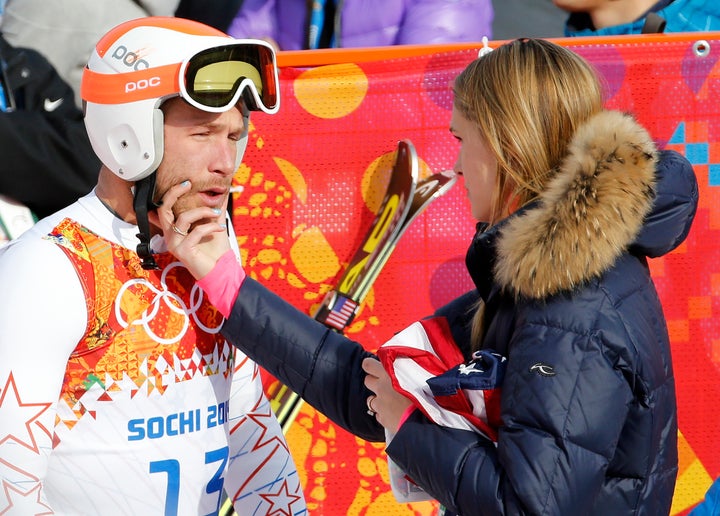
(315, 173)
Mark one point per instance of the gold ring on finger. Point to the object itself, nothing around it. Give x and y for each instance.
(178, 231)
(371, 411)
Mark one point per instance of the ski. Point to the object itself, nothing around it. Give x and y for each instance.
(404, 200)
(426, 190)
(340, 305)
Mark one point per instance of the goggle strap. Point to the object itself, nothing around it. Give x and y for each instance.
(104, 88)
(163, 81)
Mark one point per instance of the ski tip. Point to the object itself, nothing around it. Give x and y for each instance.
(406, 158)
(439, 180)
(451, 178)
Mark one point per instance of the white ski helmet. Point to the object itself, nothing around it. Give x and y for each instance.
(141, 63)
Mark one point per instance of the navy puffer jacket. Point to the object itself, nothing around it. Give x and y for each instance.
(588, 404)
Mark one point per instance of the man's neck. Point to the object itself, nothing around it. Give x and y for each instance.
(116, 195)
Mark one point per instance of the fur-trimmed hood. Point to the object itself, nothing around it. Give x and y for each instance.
(611, 184)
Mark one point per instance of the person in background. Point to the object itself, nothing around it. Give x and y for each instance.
(65, 31)
(216, 13)
(571, 201)
(118, 394)
(47, 161)
(302, 25)
(617, 17)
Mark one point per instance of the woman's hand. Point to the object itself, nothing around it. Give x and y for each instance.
(387, 404)
(197, 237)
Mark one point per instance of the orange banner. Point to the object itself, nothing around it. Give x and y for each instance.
(314, 176)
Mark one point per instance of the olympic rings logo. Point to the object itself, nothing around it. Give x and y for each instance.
(171, 301)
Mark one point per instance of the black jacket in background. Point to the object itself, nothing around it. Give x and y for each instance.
(47, 161)
(216, 13)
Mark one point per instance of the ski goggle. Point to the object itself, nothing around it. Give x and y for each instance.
(212, 80)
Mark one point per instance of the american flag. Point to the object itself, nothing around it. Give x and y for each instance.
(341, 311)
(426, 365)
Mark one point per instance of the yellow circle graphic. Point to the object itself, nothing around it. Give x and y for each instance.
(331, 91)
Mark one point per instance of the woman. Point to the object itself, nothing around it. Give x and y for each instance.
(571, 200)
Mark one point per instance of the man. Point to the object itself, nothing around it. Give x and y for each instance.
(617, 17)
(118, 394)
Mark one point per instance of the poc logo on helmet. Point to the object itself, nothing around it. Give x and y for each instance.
(134, 61)
(130, 59)
(142, 84)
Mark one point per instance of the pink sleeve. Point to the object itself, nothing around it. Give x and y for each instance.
(222, 283)
(406, 415)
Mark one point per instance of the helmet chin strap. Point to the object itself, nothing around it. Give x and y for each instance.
(143, 203)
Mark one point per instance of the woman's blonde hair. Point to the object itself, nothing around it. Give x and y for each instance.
(527, 97)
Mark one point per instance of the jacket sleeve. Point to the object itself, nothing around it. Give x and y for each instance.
(33, 363)
(321, 365)
(445, 21)
(558, 435)
(676, 200)
(256, 19)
